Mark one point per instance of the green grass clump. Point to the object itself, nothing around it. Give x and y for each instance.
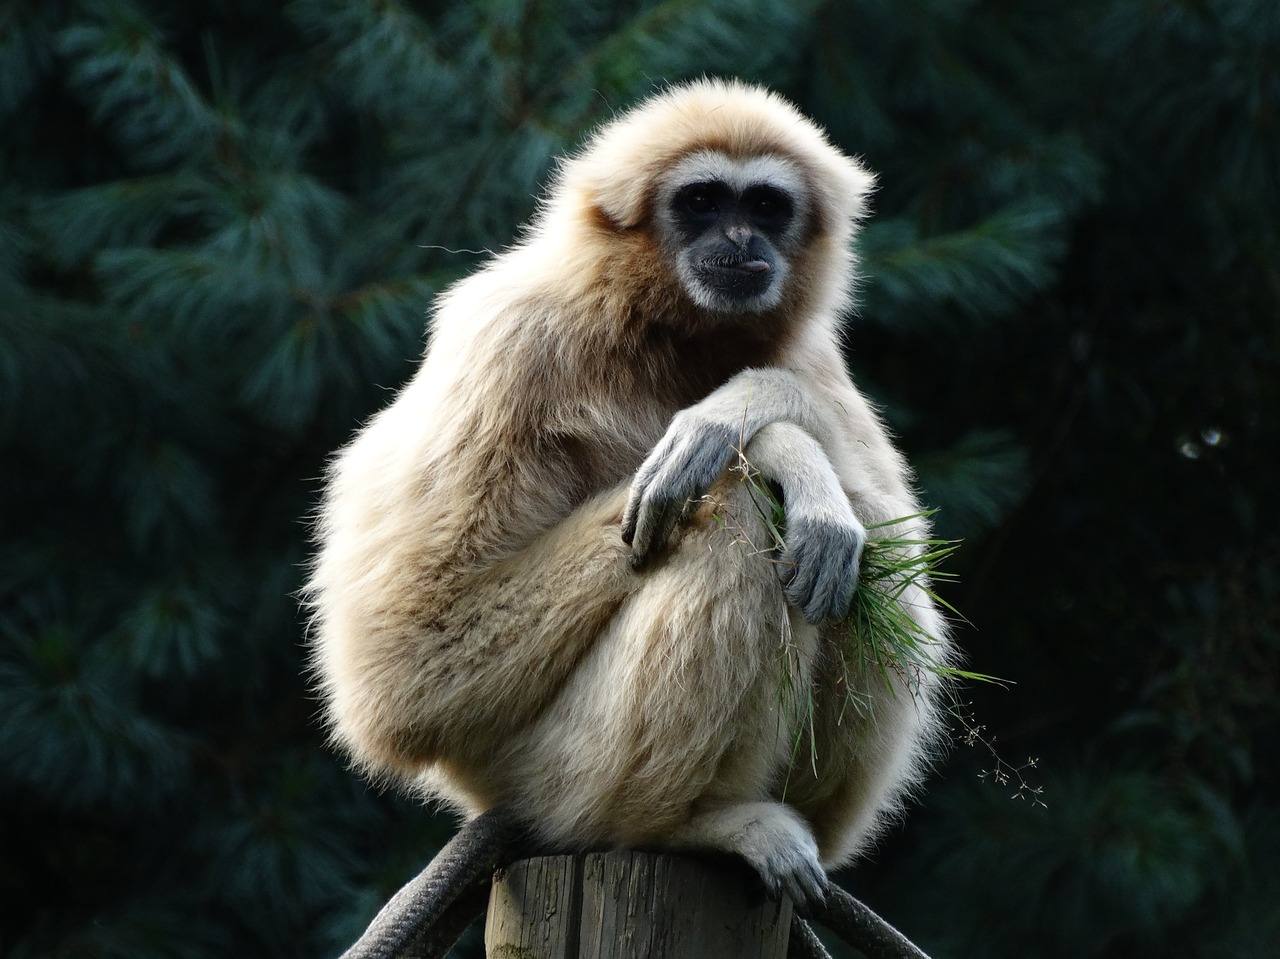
(896, 569)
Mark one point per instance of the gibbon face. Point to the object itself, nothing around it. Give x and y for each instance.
(730, 227)
(709, 201)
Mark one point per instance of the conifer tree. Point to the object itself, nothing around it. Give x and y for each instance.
(221, 228)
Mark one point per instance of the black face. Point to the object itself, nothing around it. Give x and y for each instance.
(730, 242)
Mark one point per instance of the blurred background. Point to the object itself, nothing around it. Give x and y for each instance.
(221, 227)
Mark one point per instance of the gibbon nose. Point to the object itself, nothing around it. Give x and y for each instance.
(739, 234)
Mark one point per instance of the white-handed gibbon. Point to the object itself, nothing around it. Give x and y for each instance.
(544, 578)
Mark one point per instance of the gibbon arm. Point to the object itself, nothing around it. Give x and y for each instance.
(426, 664)
(824, 540)
(748, 413)
(496, 647)
(700, 444)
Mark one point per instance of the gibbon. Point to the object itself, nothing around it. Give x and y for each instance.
(544, 578)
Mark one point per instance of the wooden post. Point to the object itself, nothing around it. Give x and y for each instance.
(632, 905)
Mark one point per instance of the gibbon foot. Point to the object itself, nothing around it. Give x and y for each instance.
(774, 841)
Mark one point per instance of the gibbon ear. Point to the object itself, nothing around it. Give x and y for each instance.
(624, 202)
(622, 212)
(842, 185)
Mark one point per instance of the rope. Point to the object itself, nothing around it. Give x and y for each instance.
(426, 917)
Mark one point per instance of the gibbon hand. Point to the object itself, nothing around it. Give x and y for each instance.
(682, 468)
(698, 447)
(823, 538)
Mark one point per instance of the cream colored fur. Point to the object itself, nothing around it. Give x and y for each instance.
(478, 626)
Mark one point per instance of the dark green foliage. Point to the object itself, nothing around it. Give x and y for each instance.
(221, 227)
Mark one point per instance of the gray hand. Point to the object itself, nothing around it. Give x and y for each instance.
(679, 471)
(819, 570)
(823, 540)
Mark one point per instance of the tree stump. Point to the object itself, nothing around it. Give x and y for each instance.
(632, 905)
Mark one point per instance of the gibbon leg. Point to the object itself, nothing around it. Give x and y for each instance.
(862, 751)
(678, 725)
(430, 668)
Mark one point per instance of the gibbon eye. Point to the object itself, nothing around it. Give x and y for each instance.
(766, 203)
(699, 201)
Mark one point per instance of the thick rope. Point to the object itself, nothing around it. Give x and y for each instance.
(861, 928)
(803, 942)
(425, 918)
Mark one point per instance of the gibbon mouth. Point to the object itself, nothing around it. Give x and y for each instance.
(739, 266)
(737, 280)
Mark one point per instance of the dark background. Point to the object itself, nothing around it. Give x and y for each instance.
(221, 225)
